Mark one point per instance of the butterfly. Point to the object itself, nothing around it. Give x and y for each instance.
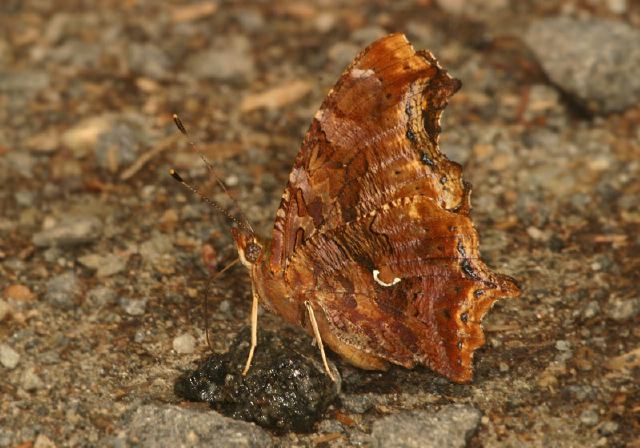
(373, 251)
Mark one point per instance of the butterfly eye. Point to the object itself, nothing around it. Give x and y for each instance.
(252, 252)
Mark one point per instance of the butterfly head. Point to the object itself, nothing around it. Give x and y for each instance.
(249, 248)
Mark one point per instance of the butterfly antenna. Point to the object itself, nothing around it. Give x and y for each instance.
(195, 190)
(245, 222)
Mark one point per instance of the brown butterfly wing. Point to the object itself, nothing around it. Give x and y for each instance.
(373, 227)
(431, 314)
(373, 140)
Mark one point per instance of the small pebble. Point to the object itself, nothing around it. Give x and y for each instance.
(24, 198)
(134, 307)
(617, 6)
(536, 234)
(139, 336)
(579, 392)
(63, 290)
(82, 137)
(105, 265)
(620, 309)
(170, 216)
(18, 292)
(70, 232)
(609, 427)
(324, 22)
(119, 145)
(101, 296)
(563, 346)
(9, 358)
(589, 417)
(591, 310)
(184, 344)
(31, 381)
(21, 162)
(153, 249)
(52, 254)
(43, 441)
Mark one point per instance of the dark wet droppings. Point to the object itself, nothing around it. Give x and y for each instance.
(285, 390)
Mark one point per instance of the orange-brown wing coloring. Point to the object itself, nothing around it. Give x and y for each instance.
(373, 228)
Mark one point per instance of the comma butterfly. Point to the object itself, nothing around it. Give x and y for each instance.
(373, 251)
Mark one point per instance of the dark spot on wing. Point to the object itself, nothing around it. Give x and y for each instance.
(461, 250)
(424, 158)
(466, 267)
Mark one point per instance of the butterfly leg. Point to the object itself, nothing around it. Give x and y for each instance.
(254, 332)
(316, 332)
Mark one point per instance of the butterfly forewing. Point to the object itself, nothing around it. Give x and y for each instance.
(367, 146)
(373, 226)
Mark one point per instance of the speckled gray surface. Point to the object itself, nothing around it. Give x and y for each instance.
(103, 258)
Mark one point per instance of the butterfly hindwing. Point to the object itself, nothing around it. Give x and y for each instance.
(406, 283)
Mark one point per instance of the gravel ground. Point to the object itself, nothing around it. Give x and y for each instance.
(104, 258)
